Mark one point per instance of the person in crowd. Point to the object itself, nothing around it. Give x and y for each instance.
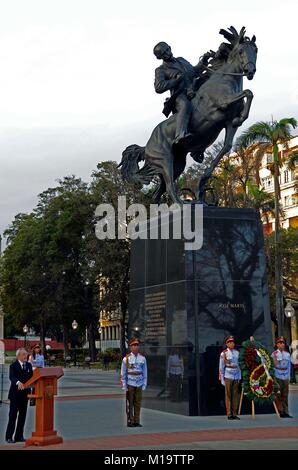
(36, 357)
(37, 360)
(106, 361)
(20, 372)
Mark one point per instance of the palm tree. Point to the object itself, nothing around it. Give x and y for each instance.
(269, 135)
(261, 201)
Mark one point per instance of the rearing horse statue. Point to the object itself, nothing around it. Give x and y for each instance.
(219, 103)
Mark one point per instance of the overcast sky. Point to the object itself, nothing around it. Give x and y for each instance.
(76, 81)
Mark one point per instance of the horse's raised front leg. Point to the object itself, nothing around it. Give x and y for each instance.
(248, 96)
(230, 133)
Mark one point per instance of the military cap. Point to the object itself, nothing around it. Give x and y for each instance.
(229, 338)
(280, 339)
(133, 341)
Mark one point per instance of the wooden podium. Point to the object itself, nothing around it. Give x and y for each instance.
(44, 381)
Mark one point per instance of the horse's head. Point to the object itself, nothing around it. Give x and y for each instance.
(243, 50)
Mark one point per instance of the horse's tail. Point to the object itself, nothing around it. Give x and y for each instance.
(130, 171)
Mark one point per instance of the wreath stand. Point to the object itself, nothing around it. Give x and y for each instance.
(253, 415)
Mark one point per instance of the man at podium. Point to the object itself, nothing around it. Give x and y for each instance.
(19, 372)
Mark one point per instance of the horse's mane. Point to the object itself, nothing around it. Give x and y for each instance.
(234, 38)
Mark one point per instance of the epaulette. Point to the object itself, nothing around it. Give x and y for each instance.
(126, 358)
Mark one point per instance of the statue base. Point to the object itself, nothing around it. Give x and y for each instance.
(184, 303)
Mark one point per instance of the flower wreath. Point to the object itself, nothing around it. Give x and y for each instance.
(258, 381)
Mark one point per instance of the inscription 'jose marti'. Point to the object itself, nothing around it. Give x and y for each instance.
(231, 305)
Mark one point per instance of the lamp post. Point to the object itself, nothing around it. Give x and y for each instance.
(2, 361)
(25, 330)
(99, 332)
(290, 313)
(75, 327)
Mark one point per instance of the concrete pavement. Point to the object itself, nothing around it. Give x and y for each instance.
(90, 413)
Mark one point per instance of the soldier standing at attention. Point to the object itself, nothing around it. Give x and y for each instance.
(230, 375)
(133, 382)
(282, 363)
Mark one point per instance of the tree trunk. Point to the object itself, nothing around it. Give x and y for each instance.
(65, 341)
(122, 337)
(42, 336)
(124, 306)
(91, 340)
(278, 257)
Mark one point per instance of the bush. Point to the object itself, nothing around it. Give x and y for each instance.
(58, 353)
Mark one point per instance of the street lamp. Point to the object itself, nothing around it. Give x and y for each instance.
(289, 310)
(75, 327)
(25, 330)
(136, 330)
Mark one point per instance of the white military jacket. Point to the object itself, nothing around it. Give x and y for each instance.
(232, 370)
(283, 370)
(134, 371)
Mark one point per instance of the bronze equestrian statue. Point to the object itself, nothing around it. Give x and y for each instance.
(215, 101)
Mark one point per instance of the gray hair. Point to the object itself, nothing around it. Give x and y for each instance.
(21, 350)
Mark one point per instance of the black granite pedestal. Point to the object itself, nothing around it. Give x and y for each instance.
(184, 303)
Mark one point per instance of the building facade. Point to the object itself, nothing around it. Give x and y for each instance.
(288, 202)
(110, 331)
(288, 187)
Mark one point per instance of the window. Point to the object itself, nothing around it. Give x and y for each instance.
(269, 158)
(286, 176)
(287, 201)
(267, 182)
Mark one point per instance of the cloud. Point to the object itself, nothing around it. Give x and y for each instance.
(76, 82)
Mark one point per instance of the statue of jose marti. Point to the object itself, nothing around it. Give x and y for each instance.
(177, 75)
(204, 100)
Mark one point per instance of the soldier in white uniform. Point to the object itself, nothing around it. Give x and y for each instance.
(229, 376)
(282, 370)
(133, 382)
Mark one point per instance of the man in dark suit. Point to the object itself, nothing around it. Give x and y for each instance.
(19, 372)
(177, 75)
